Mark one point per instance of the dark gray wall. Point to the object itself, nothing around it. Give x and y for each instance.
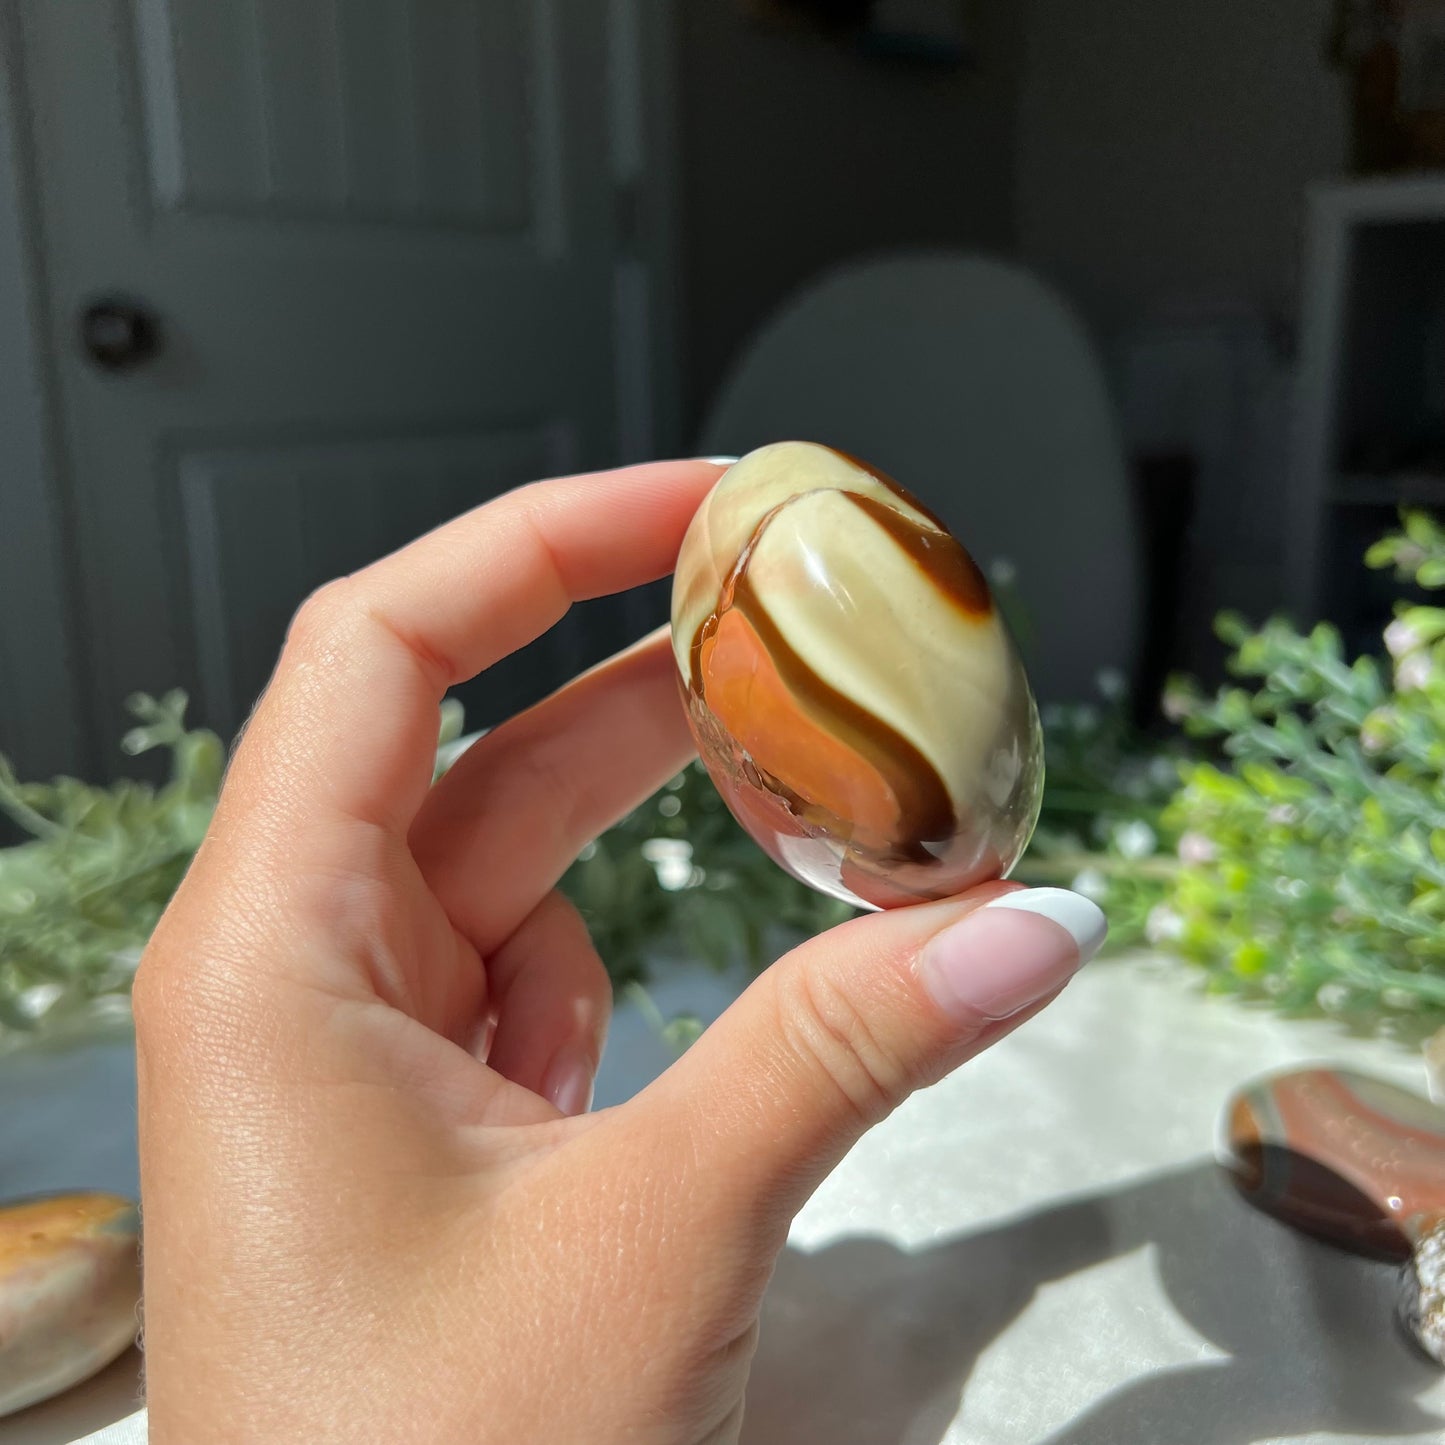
(796, 155)
(1164, 147)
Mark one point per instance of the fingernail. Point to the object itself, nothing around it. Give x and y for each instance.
(718, 461)
(1010, 953)
(480, 1043)
(568, 1081)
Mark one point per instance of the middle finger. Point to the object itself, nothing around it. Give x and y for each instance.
(514, 811)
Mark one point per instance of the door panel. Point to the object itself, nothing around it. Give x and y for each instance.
(393, 110)
(267, 524)
(379, 240)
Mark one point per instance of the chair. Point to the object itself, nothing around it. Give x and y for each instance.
(975, 387)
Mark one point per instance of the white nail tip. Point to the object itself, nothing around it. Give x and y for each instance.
(719, 461)
(1080, 917)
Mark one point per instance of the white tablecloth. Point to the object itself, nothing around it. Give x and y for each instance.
(1037, 1250)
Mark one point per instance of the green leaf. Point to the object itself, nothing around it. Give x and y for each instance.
(1419, 527)
(1311, 829)
(1381, 554)
(1230, 627)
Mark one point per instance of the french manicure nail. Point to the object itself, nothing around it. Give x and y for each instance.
(718, 461)
(1015, 950)
(568, 1081)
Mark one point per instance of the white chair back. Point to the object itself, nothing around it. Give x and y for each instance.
(975, 387)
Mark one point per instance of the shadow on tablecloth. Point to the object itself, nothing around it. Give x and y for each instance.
(864, 1344)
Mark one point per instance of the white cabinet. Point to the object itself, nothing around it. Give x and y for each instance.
(1371, 401)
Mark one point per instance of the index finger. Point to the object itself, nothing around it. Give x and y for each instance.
(347, 727)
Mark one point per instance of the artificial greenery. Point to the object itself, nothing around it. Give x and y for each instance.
(1311, 865)
(78, 901)
(680, 877)
(1295, 849)
(1101, 830)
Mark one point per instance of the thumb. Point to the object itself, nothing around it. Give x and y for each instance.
(839, 1032)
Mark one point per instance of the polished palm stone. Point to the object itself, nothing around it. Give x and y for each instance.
(1347, 1158)
(852, 689)
(1355, 1161)
(69, 1288)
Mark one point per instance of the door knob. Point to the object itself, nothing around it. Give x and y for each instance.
(119, 335)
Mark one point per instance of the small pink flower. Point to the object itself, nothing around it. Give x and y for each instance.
(1197, 848)
(1110, 683)
(1135, 839)
(1401, 639)
(1413, 672)
(1176, 706)
(1163, 925)
(1377, 731)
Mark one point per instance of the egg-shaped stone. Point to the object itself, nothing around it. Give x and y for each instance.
(69, 1288)
(851, 686)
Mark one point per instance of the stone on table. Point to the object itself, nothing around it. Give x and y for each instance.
(1354, 1161)
(69, 1291)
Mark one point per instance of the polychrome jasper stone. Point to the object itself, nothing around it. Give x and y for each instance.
(1347, 1157)
(852, 689)
(1354, 1161)
(69, 1287)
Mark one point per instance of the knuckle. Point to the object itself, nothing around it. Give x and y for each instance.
(321, 617)
(186, 987)
(157, 989)
(196, 1022)
(832, 1033)
(166, 1001)
(553, 782)
(146, 996)
(535, 771)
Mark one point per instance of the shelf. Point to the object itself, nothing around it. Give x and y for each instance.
(1413, 196)
(1389, 489)
(1371, 379)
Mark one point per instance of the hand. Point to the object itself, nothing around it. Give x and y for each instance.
(375, 1207)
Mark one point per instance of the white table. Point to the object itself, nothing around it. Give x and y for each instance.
(1037, 1250)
